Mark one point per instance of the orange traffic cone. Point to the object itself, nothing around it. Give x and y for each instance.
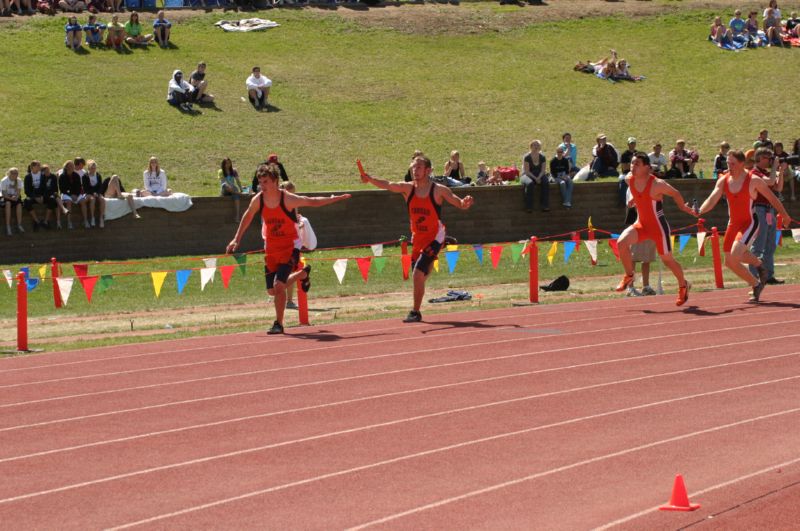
(679, 501)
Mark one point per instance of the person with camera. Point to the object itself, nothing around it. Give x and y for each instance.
(768, 168)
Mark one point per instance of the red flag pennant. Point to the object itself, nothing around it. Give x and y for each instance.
(81, 270)
(88, 284)
(576, 237)
(363, 266)
(496, 251)
(406, 260)
(614, 247)
(226, 272)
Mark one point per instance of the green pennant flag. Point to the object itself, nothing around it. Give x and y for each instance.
(380, 262)
(104, 283)
(241, 259)
(516, 251)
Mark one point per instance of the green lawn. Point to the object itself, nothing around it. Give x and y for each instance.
(344, 91)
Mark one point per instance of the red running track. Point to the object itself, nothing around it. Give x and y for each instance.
(568, 416)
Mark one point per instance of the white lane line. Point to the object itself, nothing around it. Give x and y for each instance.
(701, 492)
(395, 422)
(397, 371)
(474, 442)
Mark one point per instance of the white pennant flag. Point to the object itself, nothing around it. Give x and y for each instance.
(591, 246)
(65, 287)
(9, 278)
(796, 235)
(701, 237)
(340, 267)
(210, 263)
(206, 275)
(377, 249)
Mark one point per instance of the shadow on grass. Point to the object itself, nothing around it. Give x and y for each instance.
(210, 105)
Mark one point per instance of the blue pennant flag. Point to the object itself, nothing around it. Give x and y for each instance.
(479, 252)
(777, 237)
(32, 283)
(569, 247)
(452, 259)
(182, 276)
(26, 271)
(683, 239)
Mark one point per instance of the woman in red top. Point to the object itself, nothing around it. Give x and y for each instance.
(648, 192)
(424, 199)
(740, 189)
(282, 244)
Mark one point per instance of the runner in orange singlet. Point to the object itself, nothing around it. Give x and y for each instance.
(282, 244)
(648, 192)
(741, 189)
(424, 199)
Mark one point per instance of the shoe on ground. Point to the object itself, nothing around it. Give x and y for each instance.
(763, 274)
(683, 294)
(305, 284)
(20, 229)
(633, 292)
(756, 294)
(277, 328)
(413, 317)
(772, 281)
(626, 282)
(291, 305)
(647, 290)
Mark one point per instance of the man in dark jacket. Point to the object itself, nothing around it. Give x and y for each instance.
(37, 193)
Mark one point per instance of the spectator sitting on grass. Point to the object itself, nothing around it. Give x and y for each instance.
(605, 159)
(179, 92)
(658, 162)
(682, 162)
(93, 190)
(94, 31)
(721, 160)
(113, 189)
(155, 180)
(11, 193)
(35, 186)
(198, 81)
(763, 140)
(23, 7)
(793, 25)
(161, 29)
(738, 25)
(230, 185)
(115, 35)
(258, 89)
(133, 30)
(560, 170)
(72, 39)
(719, 34)
(623, 74)
(772, 28)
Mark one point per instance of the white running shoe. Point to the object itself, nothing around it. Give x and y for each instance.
(633, 292)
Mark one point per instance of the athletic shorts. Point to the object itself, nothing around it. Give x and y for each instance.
(744, 231)
(423, 257)
(279, 265)
(66, 198)
(657, 232)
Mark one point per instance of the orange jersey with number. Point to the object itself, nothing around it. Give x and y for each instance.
(280, 225)
(424, 215)
(650, 223)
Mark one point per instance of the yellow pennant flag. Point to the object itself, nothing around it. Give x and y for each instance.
(552, 253)
(158, 281)
(451, 247)
(436, 265)
(43, 272)
(672, 241)
(589, 224)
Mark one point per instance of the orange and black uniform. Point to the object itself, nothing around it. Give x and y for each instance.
(651, 223)
(281, 241)
(427, 228)
(742, 222)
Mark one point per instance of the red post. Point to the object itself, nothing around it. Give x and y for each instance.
(22, 313)
(533, 270)
(779, 228)
(405, 260)
(302, 301)
(701, 228)
(717, 258)
(54, 275)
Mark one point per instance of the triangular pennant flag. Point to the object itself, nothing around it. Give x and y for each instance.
(591, 246)
(614, 247)
(451, 247)
(31, 283)
(81, 270)
(405, 261)
(340, 268)
(158, 281)
(452, 259)
(104, 283)
(25, 271)
(377, 249)
(65, 288)
(569, 247)
(436, 265)
(241, 259)
(552, 253)
(226, 272)
(88, 284)
(363, 266)
(683, 239)
(43, 272)
(672, 241)
(182, 276)
(210, 262)
(9, 278)
(478, 248)
(701, 239)
(380, 263)
(495, 251)
(206, 275)
(516, 251)
(777, 238)
(796, 235)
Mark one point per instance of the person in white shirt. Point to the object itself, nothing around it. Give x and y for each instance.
(180, 92)
(658, 161)
(11, 193)
(258, 89)
(155, 180)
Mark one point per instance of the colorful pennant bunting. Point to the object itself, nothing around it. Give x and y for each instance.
(104, 283)
(452, 259)
(65, 288)
(591, 246)
(88, 284)
(182, 277)
(614, 247)
(81, 270)
(380, 263)
(516, 251)
(495, 251)
(226, 272)
(405, 261)
(241, 259)
(206, 276)
(9, 276)
(569, 247)
(31, 284)
(158, 281)
(683, 239)
(340, 268)
(43, 272)
(552, 253)
(363, 266)
(377, 249)
(478, 248)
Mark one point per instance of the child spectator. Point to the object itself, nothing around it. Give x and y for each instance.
(133, 30)
(161, 29)
(737, 24)
(94, 31)
(155, 180)
(115, 35)
(258, 89)
(73, 33)
(643, 252)
(70, 186)
(482, 177)
(11, 192)
(721, 160)
(571, 152)
(763, 140)
(658, 162)
(230, 185)
(113, 189)
(560, 170)
(35, 186)
(198, 81)
(179, 92)
(93, 190)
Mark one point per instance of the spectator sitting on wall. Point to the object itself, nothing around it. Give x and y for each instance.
(230, 185)
(625, 168)
(788, 171)
(200, 84)
(51, 189)
(155, 180)
(721, 160)
(11, 193)
(560, 171)
(272, 158)
(484, 178)
(682, 162)
(454, 170)
(658, 161)
(534, 173)
(180, 92)
(35, 186)
(93, 190)
(113, 189)
(571, 152)
(161, 29)
(605, 159)
(258, 89)
(71, 188)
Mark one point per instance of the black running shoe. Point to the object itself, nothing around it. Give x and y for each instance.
(763, 275)
(413, 317)
(277, 328)
(305, 284)
(772, 281)
(757, 292)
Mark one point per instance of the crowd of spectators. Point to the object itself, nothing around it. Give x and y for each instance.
(749, 33)
(115, 34)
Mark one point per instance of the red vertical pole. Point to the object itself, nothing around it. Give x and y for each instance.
(302, 300)
(22, 313)
(54, 275)
(404, 259)
(533, 270)
(701, 228)
(717, 258)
